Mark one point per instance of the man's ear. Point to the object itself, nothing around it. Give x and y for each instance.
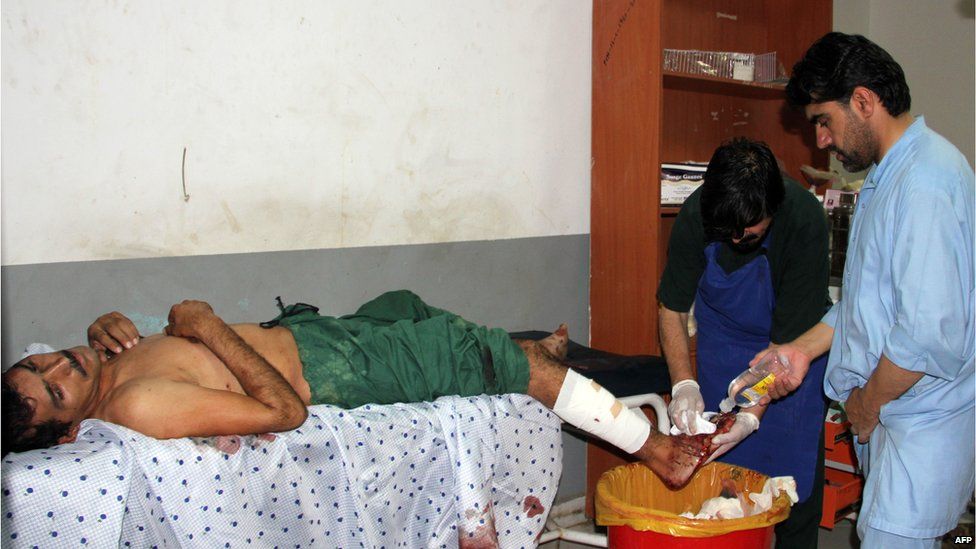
(70, 435)
(864, 102)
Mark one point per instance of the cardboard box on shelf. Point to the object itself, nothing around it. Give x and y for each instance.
(679, 180)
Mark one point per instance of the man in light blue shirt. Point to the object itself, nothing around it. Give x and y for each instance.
(901, 339)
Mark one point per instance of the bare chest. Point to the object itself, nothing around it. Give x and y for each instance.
(182, 360)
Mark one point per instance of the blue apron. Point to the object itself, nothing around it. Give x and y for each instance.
(734, 312)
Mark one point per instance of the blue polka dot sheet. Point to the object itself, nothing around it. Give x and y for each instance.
(459, 471)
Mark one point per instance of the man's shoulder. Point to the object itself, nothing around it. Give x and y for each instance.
(935, 166)
(801, 208)
(799, 223)
(929, 146)
(139, 391)
(798, 196)
(689, 217)
(691, 207)
(922, 162)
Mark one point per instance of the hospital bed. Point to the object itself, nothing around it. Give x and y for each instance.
(448, 473)
(458, 471)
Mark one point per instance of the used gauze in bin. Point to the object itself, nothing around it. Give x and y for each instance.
(632, 495)
(738, 504)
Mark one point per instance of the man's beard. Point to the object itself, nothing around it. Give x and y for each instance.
(746, 247)
(861, 148)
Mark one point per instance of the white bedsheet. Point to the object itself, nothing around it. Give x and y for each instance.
(441, 474)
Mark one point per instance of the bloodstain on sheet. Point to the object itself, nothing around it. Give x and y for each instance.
(484, 536)
(228, 443)
(232, 443)
(532, 506)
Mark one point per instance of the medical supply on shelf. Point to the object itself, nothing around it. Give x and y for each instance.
(747, 67)
(680, 179)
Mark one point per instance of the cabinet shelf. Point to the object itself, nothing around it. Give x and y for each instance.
(672, 78)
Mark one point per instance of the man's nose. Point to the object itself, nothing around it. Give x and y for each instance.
(59, 368)
(823, 138)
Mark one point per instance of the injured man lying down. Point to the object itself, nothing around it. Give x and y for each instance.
(203, 377)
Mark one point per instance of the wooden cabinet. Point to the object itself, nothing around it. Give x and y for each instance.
(643, 116)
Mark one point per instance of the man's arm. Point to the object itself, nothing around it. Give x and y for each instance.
(686, 398)
(170, 409)
(886, 383)
(673, 328)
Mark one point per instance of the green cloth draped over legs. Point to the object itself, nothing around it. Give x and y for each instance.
(396, 348)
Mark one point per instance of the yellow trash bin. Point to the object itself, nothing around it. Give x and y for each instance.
(641, 511)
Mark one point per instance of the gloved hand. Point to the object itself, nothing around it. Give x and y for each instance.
(745, 424)
(686, 402)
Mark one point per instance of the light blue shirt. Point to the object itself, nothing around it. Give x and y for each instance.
(908, 294)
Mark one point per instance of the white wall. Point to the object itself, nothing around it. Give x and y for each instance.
(934, 43)
(308, 124)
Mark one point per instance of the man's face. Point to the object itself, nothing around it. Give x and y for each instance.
(62, 385)
(751, 238)
(841, 131)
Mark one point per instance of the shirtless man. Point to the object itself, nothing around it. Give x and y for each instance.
(204, 377)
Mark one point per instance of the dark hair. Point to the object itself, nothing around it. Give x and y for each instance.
(837, 63)
(742, 186)
(18, 433)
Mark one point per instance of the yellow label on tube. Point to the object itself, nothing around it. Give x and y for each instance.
(762, 386)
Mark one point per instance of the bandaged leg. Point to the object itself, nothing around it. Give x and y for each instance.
(583, 403)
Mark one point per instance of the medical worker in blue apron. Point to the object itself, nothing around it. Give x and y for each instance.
(750, 251)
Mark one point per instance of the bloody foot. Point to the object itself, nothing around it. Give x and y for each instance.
(675, 459)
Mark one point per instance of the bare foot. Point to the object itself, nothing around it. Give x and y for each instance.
(557, 342)
(676, 458)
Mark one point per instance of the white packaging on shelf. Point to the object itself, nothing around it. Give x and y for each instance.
(748, 67)
(679, 180)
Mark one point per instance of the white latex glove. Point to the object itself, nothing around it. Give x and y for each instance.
(745, 424)
(686, 403)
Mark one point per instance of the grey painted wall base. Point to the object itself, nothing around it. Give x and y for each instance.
(520, 284)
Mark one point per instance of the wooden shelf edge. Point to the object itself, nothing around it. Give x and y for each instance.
(774, 86)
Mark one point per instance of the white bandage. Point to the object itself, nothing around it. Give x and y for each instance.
(583, 403)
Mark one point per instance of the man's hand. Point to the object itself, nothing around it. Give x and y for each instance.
(686, 403)
(787, 382)
(745, 424)
(799, 353)
(112, 332)
(186, 319)
(862, 413)
(887, 382)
